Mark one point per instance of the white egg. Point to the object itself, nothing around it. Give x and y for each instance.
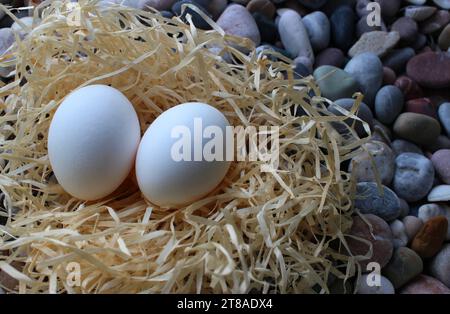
(92, 141)
(173, 167)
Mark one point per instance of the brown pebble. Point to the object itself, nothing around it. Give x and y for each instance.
(265, 7)
(428, 241)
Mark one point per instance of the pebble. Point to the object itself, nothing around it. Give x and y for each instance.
(364, 113)
(380, 236)
(428, 211)
(312, 4)
(367, 69)
(294, 35)
(419, 13)
(379, 154)
(343, 27)
(423, 284)
(216, 7)
(265, 7)
(442, 142)
(441, 162)
(430, 69)
(422, 106)
(430, 238)
(159, 5)
(389, 103)
(436, 22)
(369, 200)
(414, 176)
(440, 193)
(377, 42)
(444, 38)
(410, 89)
(318, 28)
(403, 267)
(404, 208)
(398, 58)
(197, 19)
(412, 225)
(444, 4)
(389, 76)
(407, 29)
(444, 116)
(267, 28)
(330, 56)
(417, 128)
(236, 20)
(335, 83)
(385, 287)
(400, 146)
(440, 266)
(400, 237)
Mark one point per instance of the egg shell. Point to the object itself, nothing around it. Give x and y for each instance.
(166, 181)
(92, 141)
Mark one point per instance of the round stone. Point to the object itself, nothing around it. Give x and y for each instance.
(389, 8)
(388, 104)
(412, 226)
(417, 128)
(441, 162)
(389, 76)
(443, 4)
(439, 193)
(422, 106)
(407, 28)
(428, 241)
(371, 200)
(267, 28)
(335, 83)
(363, 287)
(428, 211)
(430, 69)
(343, 27)
(400, 146)
(410, 89)
(363, 113)
(444, 116)
(376, 42)
(444, 38)
(330, 56)
(398, 58)
(423, 284)
(236, 20)
(436, 22)
(380, 236)
(312, 4)
(197, 19)
(399, 233)
(376, 154)
(318, 28)
(419, 13)
(414, 176)
(265, 7)
(367, 69)
(440, 265)
(403, 267)
(294, 35)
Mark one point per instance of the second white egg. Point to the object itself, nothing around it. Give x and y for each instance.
(172, 168)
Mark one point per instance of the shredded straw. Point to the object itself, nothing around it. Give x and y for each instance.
(274, 232)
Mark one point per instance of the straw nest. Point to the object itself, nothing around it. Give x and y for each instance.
(274, 232)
